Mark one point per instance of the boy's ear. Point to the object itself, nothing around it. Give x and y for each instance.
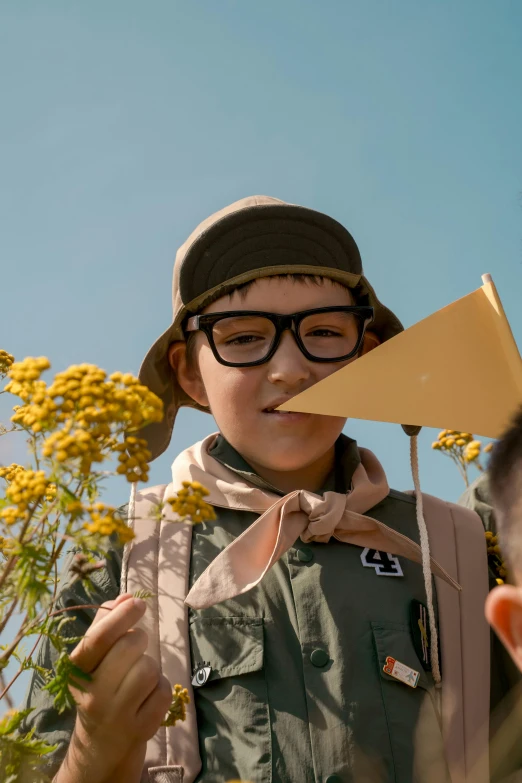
(187, 373)
(504, 613)
(370, 342)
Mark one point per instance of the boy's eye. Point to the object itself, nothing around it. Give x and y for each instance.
(323, 332)
(243, 339)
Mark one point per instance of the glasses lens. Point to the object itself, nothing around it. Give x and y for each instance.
(243, 339)
(331, 334)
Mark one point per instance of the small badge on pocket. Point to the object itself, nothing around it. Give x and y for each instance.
(201, 674)
(420, 631)
(401, 672)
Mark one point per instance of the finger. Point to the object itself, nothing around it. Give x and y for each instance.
(100, 637)
(120, 659)
(137, 684)
(154, 709)
(103, 610)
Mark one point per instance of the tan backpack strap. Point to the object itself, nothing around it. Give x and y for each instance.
(457, 543)
(158, 560)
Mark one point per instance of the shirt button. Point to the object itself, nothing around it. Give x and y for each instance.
(319, 658)
(305, 555)
(333, 779)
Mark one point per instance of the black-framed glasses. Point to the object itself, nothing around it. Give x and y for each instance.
(245, 338)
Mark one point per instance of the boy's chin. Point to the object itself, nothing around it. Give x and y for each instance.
(289, 460)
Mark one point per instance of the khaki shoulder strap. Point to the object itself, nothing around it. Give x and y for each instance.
(457, 542)
(158, 560)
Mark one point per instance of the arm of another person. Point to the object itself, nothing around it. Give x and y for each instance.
(506, 680)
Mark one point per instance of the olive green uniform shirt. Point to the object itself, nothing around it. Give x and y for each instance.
(297, 691)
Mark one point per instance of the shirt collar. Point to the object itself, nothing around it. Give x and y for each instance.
(338, 480)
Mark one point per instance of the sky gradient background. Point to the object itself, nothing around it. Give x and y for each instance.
(123, 124)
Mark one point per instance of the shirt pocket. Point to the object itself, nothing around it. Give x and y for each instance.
(412, 718)
(232, 705)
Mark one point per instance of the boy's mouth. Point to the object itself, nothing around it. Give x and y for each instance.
(275, 404)
(287, 415)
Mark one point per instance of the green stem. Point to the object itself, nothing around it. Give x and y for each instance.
(9, 614)
(10, 702)
(13, 558)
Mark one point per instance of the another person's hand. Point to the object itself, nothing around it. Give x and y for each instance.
(124, 704)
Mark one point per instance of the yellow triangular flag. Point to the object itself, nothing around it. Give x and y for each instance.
(457, 369)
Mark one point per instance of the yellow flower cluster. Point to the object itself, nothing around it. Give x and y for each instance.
(134, 458)
(190, 502)
(472, 451)
(97, 406)
(39, 412)
(11, 471)
(69, 444)
(461, 444)
(25, 488)
(6, 361)
(17, 476)
(24, 374)
(495, 560)
(84, 412)
(105, 521)
(85, 391)
(447, 439)
(463, 449)
(178, 708)
(11, 515)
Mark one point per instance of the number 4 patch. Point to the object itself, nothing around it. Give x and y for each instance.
(384, 563)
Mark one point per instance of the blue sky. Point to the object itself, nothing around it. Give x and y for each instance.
(126, 123)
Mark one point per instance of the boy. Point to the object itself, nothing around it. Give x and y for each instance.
(268, 299)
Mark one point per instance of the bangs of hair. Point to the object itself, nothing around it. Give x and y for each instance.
(317, 280)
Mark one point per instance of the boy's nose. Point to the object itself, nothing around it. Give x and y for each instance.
(288, 365)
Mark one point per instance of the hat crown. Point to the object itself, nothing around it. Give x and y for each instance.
(260, 236)
(243, 203)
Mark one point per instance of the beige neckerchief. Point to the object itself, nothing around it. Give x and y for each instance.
(243, 564)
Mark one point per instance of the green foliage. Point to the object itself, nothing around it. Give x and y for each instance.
(21, 754)
(65, 673)
(143, 594)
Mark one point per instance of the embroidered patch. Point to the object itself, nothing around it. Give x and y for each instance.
(401, 672)
(420, 631)
(201, 674)
(384, 563)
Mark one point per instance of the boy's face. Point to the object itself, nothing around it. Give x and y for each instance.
(240, 396)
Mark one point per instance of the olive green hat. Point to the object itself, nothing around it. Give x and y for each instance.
(255, 237)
